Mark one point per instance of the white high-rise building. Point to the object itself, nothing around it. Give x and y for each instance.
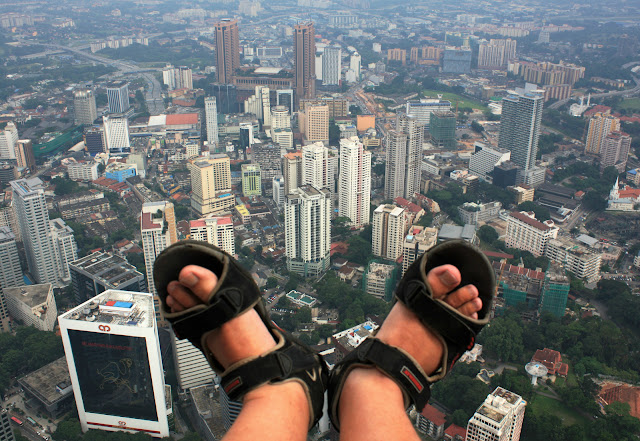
(33, 305)
(423, 108)
(355, 64)
(280, 118)
(66, 249)
(211, 184)
(10, 270)
(33, 218)
(84, 106)
(416, 242)
(331, 64)
(8, 140)
(307, 226)
(116, 134)
(499, 418)
(118, 96)
(266, 106)
(315, 167)
(177, 77)
(485, 159)
(292, 171)
(404, 156)
(113, 353)
(354, 182)
(217, 231)
(390, 224)
(277, 187)
(525, 232)
(211, 117)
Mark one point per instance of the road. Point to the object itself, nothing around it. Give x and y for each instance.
(625, 93)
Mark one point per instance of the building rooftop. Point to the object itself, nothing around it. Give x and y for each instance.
(107, 268)
(351, 338)
(50, 383)
(6, 235)
(521, 216)
(31, 295)
(433, 415)
(121, 308)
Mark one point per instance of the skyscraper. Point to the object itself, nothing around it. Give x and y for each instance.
(116, 134)
(226, 97)
(33, 218)
(10, 270)
(600, 125)
(251, 180)
(280, 118)
(284, 97)
(389, 225)
(24, 154)
(292, 171)
(615, 151)
(304, 54)
(496, 53)
(314, 122)
(307, 220)
(94, 140)
(316, 170)
(158, 228)
(499, 418)
(113, 353)
(227, 50)
(354, 182)
(8, 140)
(118, 96)
(65, 247)
(331, 64)
(442, 128)
(404, 156)
(355, 64)
(211, 184)
(211, 117)
(177, 77)
(520, 127)
(84, 106)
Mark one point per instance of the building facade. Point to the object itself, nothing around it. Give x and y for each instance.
(389, 226)
(304, 55)
(614, 151)
(331, 64)
(579, 260)
(33, 305)
(525, 232)
(217, 231)
(116, 134)
(314, 122)
(404, 156)
(211, 117)
(499, 418)
(118, 96)
(472, 213)
(442, 128)
(211, 184)
(600, 125)
(227, 50)
(354, 182)
(416, 242)
(251, 180)
(84, 106)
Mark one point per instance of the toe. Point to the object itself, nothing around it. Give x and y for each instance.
(200, 281)
(181, 297)
(443, 279)
(461, 296)
(471, 308)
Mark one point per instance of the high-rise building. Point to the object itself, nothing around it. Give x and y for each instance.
(355, 65)
(227, 50)
(485, 159)
(389, 225)
(316, 168)
(307, 219)
(8, 217)
(65, 247)
(211, 117)
(304, 54)
(354, 183)
(421, 109)
(10, 270)
(499, 418)
(217, 230)
(416, 242)
(525, 232)
(158, 228)
(456, 60)
(113, 353)
(33, 305)
(6, 432)
(226, 97)
(496, 53)
(331, 64)
(84, 106)
(520, 127)
(98, 272)
(442, 128)
(177, 77)
(269, 157)
(211, 184)
(404, 156)
(116, 134)
(8, 140)
(118, 96)
(24, 154)
(280, 117)
(615, 151)
(292, 171)
(33, 218)
(555, 292)
(94, 140)
(314, 122)
(251, 180)
(277, 188)
(600, 125)
(284, 97)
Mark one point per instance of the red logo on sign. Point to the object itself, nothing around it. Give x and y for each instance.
(122, 423)
(104, 328)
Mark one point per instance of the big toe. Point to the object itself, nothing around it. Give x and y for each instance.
(199, 280)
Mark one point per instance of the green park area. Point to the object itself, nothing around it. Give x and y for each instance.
(453, 97)
(542, 405)
(630, 105)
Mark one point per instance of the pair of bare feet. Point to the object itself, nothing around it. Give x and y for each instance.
(246, 335)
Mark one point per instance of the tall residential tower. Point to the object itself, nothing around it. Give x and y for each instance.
(304, 54)
(227, 50)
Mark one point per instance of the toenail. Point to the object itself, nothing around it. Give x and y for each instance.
(189, 280)
(447, 278)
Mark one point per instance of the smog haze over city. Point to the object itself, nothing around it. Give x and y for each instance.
(325, 144)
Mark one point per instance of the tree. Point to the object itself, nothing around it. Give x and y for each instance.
(542, 213)
(334, 133)
(487, 234)
(477, 127)
(64, 186)
(272, 282)
(593, 201)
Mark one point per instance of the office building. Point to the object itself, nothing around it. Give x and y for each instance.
(292, 171)
(251, 180)
(416, 242)
(277, 189)
(269, 157)
(304, 55)
(113, 353)
(520, 128)
(354, 182)
(65, 248)
(216, 230)
(499, 418)
(211, 117)
(421, 109)
(472, 213)
(94, 140)
(525, 232)
(99, 272)
(316, 167)
(307, 220)
(404, 155)
(8, 173)
(226, 97)
(6, 432)
(283, 138)
(456, 60)
(284, 97)
(331, 65)
(496, 53)
(600, 125)
(8, 140)
(33, 218)
(485, 159)
(158, 229)
(10, 270)
(84, 106)
(314, 122)
(24, 154)
(582, 261)
(83, 171)
(116, 134)
(32, 305)
(177, 77)
(227, 50)
(615, 151)
(211, 184)
(389, 226)
(442, 128)
(118, 96)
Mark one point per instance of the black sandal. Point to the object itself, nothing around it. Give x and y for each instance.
(234, 294)
(456, 331)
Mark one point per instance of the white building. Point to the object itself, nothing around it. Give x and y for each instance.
(472, 213)
(8, 139)
(280, 118)
(33, 305)
(211, 117)
(118, 96)
(113, 353)
(316, 170)
(307, 224)
(485, 159)
(66, 249)
(116, 134)
(499, 418)
(283, 137)
(422, 109)
(277, 187)
(388, 231)
(525, 232)
(579, 260)
(10, 270)
(331, 65)
(416, 242)
(83, 171)
(84, 106)
(378, 276)
(177, 77)
(354, 182)
(217, 231)
(404, 158)
(192, 367)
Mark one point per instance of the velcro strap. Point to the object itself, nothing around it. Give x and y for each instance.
(398, 366)
(446, 322)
